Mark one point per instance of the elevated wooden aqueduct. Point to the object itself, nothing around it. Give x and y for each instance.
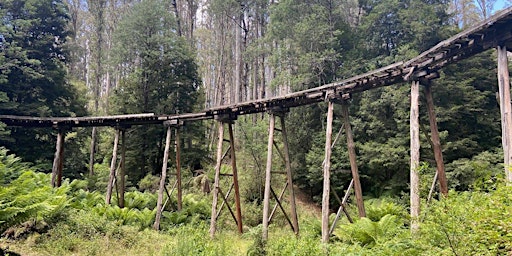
(495, 32)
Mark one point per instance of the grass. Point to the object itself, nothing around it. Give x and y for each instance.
(481, 219)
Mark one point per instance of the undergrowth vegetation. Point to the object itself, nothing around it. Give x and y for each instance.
(36, 219)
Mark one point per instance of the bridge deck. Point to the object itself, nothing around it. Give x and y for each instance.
(494, 31)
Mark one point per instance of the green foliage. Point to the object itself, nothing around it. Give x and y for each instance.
(149, 183)
(481, 172)
(30, 197)
(196, 209)
(33, 74)
(11, 166)
(366, 232)
(159, 75)
(471, 223)
(376, 209)
(137, 200)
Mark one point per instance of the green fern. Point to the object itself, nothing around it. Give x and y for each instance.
(368, 233)
(30, 197)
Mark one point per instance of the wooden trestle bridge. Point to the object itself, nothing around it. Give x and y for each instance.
(495, 32)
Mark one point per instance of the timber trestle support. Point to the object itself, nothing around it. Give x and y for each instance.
(160, 205)
(342, 99)
(117, 171)
(223, 120)
(285, 156)
(58, 160)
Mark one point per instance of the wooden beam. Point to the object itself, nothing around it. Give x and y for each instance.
(289, 177)
(112, 168)
(415, 156)
(123, 169)
(225, 198)
(506, 110)
(436, 142)
(278, 203)
(268, 174)
(92, 151)
(235, 179)
(224, 201)
(213, 220)
(342, 208)
(57, 160)
(275, 206)
(327, 173)
(178, 168)
(163, 177)
(353, 161)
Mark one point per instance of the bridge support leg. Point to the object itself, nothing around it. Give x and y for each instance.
(289, 177)
(235, 179)
(415, 156)
(112, 168)
(213, 222)
(163, 177)
(122, 173)
(353, 162)
(58, 160)
(178, 168)
(505, 109)
(327, 174)
(268, 173)
(92, 150)
(436, 142)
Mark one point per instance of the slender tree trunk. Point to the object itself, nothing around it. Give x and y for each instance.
(178, 19)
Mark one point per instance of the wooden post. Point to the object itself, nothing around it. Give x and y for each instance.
(92, 151)
(289, 177)
(112, 168)
(353, 163)
(61, 162)
(178, 168)
(506, 109)
(161, 188)
(213, 220)
(327, 174)
(123, 168)
(57, 160)
(268, 173)
(436, 142)
(415, 156)
(235, 179)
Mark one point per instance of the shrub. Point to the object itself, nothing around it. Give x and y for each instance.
(30, 197)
